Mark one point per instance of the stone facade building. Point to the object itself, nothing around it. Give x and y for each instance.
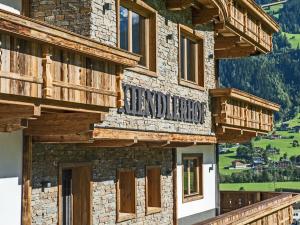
(119, 107)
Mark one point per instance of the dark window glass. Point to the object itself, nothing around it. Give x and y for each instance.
(189, 59)
(185, 176)
(136, 33)
(124, 28)
(193, 176)
(182, 56)
(67, 196)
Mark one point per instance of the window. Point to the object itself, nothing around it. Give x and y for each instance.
(74, 196)
(153, 189)
(192, 177)
(191, 58)
(137, 32)
(126, 195)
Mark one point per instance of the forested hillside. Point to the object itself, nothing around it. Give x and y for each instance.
(275, 76)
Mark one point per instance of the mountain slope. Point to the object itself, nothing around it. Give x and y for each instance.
(275, 76)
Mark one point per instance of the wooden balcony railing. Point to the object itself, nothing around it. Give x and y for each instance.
(45, 62)
(240, 116)
(241, 208)
(245, 20)
(46, 70)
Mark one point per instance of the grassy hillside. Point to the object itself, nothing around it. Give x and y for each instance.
(269, 186)
(285, 146)
(275, 11)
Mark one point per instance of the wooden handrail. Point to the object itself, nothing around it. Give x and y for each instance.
(256, 211)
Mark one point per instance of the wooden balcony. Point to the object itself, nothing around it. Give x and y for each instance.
(47, 73)
(242, 28)
(239, 116)
(242, 207)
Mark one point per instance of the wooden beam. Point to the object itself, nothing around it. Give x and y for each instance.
(26, 180)
(62, 124)
(67, 139)
(117, 134)
(204, 15)
(9, 111)
(228, 39)
(176, 5)
(235, 52)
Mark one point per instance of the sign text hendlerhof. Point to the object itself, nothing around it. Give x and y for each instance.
(144, 102)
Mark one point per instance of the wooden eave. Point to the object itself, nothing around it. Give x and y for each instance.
(45, 33)
(240, 95)
(116, 136)
(218, 11)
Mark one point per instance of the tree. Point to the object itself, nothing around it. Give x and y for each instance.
(295, 143)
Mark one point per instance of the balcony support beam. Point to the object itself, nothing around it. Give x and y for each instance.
(176, 5)
(204, 15)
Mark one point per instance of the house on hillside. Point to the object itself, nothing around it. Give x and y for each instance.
(296, 129)
(284, 127)
(111, 111)
(238, 164)
(283, 164)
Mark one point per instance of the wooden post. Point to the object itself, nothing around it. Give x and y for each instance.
(47, 76)
(25, 11)
(119, 89)
(26, 180)
(174, 159)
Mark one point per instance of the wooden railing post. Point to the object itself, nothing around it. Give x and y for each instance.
(47, 76)
(245, 21)
(119, 88)
(259, 32)
(223, 112)
(230, 3)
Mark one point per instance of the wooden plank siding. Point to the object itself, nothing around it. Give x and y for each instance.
(239, 113)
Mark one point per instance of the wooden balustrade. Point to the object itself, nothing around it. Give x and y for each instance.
(45, 69)
(42, 61)
(238, 116)
(246, 21)
(243, 208)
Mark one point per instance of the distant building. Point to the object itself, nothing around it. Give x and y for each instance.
(238, 164)
(284, 127)
(296, 129)
(283, 164)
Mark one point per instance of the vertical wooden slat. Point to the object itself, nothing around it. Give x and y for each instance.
(89, 67)
(26, 180)
(65, 75)
(82, 79)
(119, 89)
(47, 76)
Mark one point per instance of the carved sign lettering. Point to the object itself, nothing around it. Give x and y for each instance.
(144, 102)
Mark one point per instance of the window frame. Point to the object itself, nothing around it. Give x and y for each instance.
(125, 216)
(191, 34)
(200, 193)
(152, 210)
(150, 15)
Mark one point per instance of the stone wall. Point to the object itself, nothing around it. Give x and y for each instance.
(73, 15)
(105, 162)
(87, 17)
(167, 76)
